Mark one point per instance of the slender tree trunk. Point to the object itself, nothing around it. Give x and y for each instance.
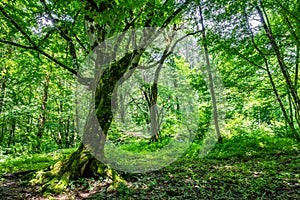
(74, 134)
(2, 96)
(297, 66)
(283, 67)
(43, 112)
(294, 29)
(154, 128)
(60, 127)
(2, 130)
(276, 93)
(28, 125)
(297, 114)
(211, 80)
(3, 87)
(150, 93)
(12, 131)
(278, 98)
(67, 130)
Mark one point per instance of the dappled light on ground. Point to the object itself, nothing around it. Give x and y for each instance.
(270, 173)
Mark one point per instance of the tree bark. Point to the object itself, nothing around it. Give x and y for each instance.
(29, 117)
(210, 79)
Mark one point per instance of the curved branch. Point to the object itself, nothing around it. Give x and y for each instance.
(174, 14)
(17, 45)
(43, 53)
(64, 35)
(34, 46)
(18, 27)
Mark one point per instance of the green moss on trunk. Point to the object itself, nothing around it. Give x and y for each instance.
(79, 164)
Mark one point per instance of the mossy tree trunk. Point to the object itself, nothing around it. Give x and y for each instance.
(82, 162)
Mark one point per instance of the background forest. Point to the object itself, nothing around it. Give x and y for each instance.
(245, 89)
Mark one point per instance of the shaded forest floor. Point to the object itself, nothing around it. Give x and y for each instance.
(242, 168)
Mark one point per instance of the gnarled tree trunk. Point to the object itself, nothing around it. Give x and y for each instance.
(85, 160)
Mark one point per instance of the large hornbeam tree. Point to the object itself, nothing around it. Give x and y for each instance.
(65, 32)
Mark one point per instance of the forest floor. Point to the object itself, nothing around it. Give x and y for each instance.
(243, 169)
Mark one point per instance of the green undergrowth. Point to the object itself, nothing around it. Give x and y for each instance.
(35, 162)
(240, 168)
(145, 146)
(251, 167)
(246, 148)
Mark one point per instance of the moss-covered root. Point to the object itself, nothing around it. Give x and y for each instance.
(79, 164)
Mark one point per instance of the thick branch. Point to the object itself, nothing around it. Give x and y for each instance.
(179, 10)
(17, 45)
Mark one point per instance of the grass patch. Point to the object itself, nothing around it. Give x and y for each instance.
(240, 168)
(11, 164)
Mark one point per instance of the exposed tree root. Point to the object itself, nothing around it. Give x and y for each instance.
(81, 163)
